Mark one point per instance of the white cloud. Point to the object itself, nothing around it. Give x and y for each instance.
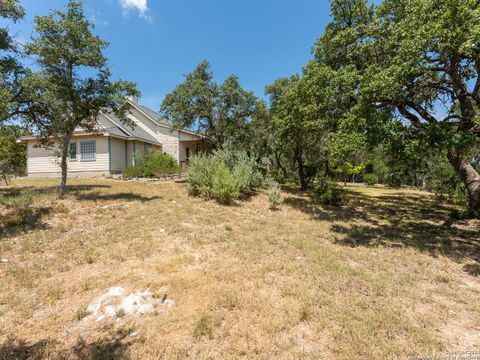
(140, 5)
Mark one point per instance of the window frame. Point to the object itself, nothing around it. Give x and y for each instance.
(94, 150)
(147, 148)
(70, 158)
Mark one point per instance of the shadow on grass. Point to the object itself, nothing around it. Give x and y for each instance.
(114, 346)
(96, 196)
(48, 190)
(396, 219)
(27, 217)
(25, 220)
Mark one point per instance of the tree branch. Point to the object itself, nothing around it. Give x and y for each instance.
(422, 112)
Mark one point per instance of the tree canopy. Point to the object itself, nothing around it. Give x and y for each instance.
(73, 83)
(416, 62)
(221, 111)
(11, 70)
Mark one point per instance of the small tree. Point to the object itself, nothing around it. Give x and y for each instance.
(12, 154)
(73, 83)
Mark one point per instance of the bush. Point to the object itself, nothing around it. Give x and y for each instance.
(133, 172)
(200, 176)
(327, 191)
(277, 176)
(225, 175)
(332, 196)
(445, 183)
(274, 194)
(243, 175)
(155, 164)
(370, 179)
(225, 187)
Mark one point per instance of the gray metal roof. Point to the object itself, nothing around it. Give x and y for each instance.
(154, 115)
(115, 127)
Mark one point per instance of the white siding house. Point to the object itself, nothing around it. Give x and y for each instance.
(113, 146)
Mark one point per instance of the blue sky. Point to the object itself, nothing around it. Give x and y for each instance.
(155, 42)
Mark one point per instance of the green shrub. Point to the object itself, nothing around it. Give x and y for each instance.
(327, 191)
(225, 187)
(157, 163)
(243, 176)
(332, 196)
(274, 194)
(133, 172)
(200, 175)
(277, 176)
(370, 179)
(225, 175)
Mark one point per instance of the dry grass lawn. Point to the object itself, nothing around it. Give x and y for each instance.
(386, 275)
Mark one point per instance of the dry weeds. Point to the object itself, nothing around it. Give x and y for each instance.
(384, 276)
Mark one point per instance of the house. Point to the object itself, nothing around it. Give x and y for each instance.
(113, 146)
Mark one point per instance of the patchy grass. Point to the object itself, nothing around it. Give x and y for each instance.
(386, 275)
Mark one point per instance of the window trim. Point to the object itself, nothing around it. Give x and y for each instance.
(70, 151)
(94, 153)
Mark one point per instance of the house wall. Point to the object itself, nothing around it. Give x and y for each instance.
(169, 138)
(42, 162)
(170, 141)
(193, 149)
(118, 155)
(139, 148)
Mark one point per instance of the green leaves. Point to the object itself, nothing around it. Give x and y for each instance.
(224, 112)
(12, 154)
(74, 82)
(67, 36)
(11, 71)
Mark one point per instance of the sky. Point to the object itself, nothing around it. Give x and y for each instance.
(155, 42)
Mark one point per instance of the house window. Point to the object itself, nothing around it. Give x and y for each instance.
(88, 150)
(147, 148)
(188, 154)
(72, 151)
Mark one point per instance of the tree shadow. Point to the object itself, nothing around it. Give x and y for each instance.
(96, 196)
(19, 213)
(48, 190)
(115, 346)
(28, 219)
(111, 347)
(395, 219)
(19, 349)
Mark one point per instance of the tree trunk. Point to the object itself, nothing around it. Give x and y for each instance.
(279, 165)
(292, 167)
(301, 170)
(469, 177)
(64, 165)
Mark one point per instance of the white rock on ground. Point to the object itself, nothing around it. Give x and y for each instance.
(117, 302)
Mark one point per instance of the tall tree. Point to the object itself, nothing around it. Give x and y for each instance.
(74, 82)
(419, 61)
(222, 112)
(299, 125)
(11, 71)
